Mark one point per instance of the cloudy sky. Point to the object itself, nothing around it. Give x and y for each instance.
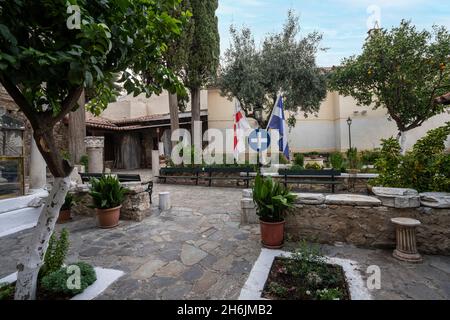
(343, 23)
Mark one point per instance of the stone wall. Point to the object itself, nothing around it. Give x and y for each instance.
(368, 226)
(135, 207)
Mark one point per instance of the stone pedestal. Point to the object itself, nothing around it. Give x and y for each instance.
(38, 168)
(164, 201)
(94, 149)
(397, 197)
(406, 240)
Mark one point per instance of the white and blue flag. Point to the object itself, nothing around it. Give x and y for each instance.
(278, 122)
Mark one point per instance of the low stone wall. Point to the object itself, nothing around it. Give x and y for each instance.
(368, 226)
(135, 207)
(362, 220)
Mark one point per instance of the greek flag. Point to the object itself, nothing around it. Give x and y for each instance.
(278, 122)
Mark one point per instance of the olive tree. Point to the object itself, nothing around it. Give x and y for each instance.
(285, 63)
(50, 51)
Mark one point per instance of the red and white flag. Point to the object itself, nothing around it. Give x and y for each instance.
(241, 128)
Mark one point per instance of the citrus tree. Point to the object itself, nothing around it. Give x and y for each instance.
(403, 70)
(50, 50)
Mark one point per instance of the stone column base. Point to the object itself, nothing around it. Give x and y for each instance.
(407, 257)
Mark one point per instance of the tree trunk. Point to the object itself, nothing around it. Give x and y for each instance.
(195, 110)
(174, 116)
(77, 131)
(28, 270)
(402, 141)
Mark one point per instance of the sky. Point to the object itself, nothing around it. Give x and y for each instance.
(343, 23)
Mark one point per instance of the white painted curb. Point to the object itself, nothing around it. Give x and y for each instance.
(254, 286)
(105, 278)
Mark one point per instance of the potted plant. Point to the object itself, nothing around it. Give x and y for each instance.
(107, 195)
(272, 200)
(65, 212)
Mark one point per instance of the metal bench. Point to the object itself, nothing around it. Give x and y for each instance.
(321, 177)
(191, 173)
(86, 177)
(229, 171)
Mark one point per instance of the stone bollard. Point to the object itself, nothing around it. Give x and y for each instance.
(406, 240)
(248, 212)
(164, 201)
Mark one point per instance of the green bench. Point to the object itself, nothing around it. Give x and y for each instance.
(320, 177)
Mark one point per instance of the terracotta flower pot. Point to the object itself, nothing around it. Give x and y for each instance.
(272, 234)
(64, 216)
(108, 218)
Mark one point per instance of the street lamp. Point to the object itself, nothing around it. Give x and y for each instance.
(258, 114)
(349, 122)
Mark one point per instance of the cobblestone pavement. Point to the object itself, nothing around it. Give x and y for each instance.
(198, 250)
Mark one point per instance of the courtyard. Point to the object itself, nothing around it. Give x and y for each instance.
(200, 250)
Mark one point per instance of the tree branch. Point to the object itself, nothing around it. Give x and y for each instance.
(68, 104)
(20, 100)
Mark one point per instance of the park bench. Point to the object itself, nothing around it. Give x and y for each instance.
(229, 173)
(320, 177)
(185, 173)
(209, 174)
(86, 177)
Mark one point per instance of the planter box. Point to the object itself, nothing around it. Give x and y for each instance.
(254, 286)
(105, 278)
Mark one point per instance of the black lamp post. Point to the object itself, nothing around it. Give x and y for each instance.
(258, 114)
(349, 122)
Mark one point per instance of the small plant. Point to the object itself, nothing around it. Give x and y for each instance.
(278, 290)
(56, 253)
(6, 291)
(272, 199)
(297, 168)
(329, 294)
(57, 283)
(84, 160)
(352, 158)
(370, 157)
(313, 166)
(337, 160)
(107, 193)
(299, 160)
(69, 202)
(283, 159)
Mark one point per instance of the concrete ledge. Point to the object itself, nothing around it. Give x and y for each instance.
(352, 200)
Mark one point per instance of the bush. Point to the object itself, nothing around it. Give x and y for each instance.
(353, 158)
(6, 291)
(297, 168)
(56, 283)
(425, 168)
(107, 193)
(283, 159)
(272, 199)
(69, 202)
(370, 157)
(313, 166)
(337, 160)
(56, 253)
(84, 160)
(299, 160)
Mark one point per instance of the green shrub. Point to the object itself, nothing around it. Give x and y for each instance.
(329, 294)
(337, 160)
(388, 164)
(282, 159)
(313, 166)
(297, 168)
(84, 160)
(107, 193)
(299, 160)
(56, 253)
(69, 202)
(353, 158)
(272, 199)
(56, 283)
(6, 291)
(370, 157)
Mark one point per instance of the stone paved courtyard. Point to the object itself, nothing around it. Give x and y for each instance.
(198, 250)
